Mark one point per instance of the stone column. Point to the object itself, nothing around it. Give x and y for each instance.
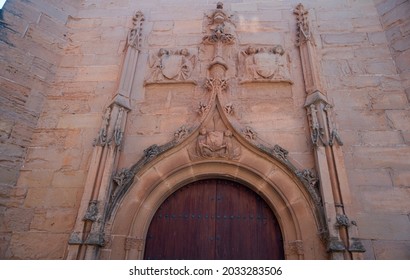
(88, 233)
(342, 242)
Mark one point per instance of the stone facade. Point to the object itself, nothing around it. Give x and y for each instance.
(102, 100)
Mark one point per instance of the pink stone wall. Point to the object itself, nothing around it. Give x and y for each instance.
(61, 64)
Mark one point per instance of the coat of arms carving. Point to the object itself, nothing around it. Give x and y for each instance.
(266, 64)
(171, 66)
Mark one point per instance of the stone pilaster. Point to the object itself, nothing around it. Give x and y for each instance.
(326, 141)
(88, 233)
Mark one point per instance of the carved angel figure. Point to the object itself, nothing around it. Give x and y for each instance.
(171, 66)
(265, 64)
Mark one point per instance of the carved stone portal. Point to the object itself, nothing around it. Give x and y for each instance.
(267, 64)
(171, 66)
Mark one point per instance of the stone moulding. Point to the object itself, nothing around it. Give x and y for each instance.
(124, 178)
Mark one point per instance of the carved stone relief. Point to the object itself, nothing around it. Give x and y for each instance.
(134, 36)
(302, 24)
(265, 64)
(221, 35)
(171, 66)
(216, 144)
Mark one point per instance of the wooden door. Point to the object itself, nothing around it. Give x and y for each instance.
(214, 219)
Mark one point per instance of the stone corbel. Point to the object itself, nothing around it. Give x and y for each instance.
(294, 250)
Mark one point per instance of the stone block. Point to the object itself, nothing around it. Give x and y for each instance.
(4, 244)
(384, 199)
(31, 246)
(268, 38)
(187, 27)
(377, 38)
(396, 15)
(163, 26)
(399, 119)
(362, 120)
(386, 6)
(36, 178)
(381, 138)
(367, 24)
(145, 124)
(68, 179)
(401, 178)
(330, 26)
(403, 59)
(371, 52)
(98, 73)
(383, 226)
(369, 177)
(55, 220)
(345, 39)
(381, 157)
(18, 219)
(244, 7)
(162, 40)
(391, 249)
(52, 158)
(9, 175)
(52, 197)
(386, 67)
(91, 120)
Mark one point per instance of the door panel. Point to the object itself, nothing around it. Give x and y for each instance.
(214, 219)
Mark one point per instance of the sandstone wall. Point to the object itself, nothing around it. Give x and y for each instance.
(33, 36)
(62, 65)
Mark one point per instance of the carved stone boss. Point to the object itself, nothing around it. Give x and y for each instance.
(341, 240)
(88, 234)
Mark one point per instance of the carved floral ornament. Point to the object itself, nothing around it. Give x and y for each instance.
(303, 29)
(134, 36)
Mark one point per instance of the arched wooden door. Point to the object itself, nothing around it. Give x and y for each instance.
(214, 219)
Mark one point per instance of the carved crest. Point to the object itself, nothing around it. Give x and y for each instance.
(264, 65)
(216, 144)
(171, 66)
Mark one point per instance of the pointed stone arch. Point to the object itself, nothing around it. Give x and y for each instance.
(279, 185)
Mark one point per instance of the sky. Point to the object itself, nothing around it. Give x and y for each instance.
(2, 3)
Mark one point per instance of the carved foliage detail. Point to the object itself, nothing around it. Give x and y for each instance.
(267, 64)
(303, 29)
(311, 181)
(134, 36)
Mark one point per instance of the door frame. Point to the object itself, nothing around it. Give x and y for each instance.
(211, 195)
(274, 182)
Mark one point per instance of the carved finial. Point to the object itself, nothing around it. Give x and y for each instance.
(134, 36)
(302, 23)
(220, 5)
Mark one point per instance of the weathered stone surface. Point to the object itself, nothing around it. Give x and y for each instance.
(62, 66)
(31, 246)
(384, 226)
(391, 249)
